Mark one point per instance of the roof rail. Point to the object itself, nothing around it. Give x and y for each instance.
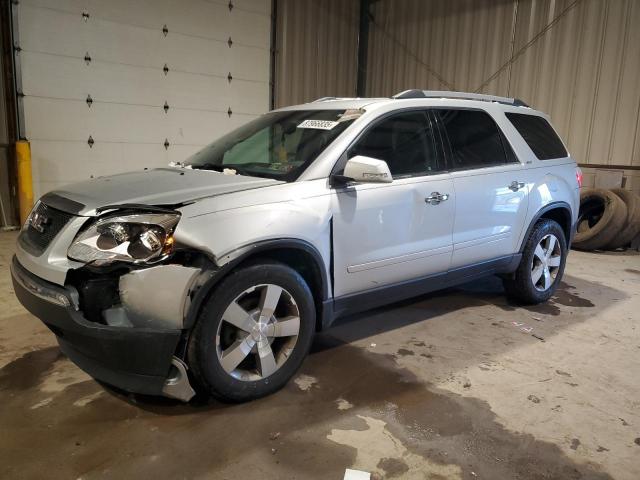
(323, 99)
(415, 93)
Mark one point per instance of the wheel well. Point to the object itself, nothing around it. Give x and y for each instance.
(302, 262)
(563, 217)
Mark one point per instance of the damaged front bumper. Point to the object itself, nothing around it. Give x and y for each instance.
(137, 358)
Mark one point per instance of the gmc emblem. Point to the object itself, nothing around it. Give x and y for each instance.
(38, 221)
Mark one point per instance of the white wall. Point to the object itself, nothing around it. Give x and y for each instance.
(126, 81)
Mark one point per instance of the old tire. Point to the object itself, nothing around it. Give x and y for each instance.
(246, 342)
(601, 218)
(632, 225)
(542, 265)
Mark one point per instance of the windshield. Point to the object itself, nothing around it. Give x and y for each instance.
(279, 145)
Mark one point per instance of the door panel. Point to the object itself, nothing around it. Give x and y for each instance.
(490, 185)
(384, 234)
(489, 215)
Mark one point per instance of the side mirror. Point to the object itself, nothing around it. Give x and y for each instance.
(363, 169)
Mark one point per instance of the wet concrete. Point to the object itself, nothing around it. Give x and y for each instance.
(117, 435)
(449, 385)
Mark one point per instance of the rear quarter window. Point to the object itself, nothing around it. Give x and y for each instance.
(539, 135)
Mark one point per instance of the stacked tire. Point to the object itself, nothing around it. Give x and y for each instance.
(608, 219)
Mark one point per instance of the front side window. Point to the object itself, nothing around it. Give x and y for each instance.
(279, 145)
(539, 135)
(474, 138)
(404, 141)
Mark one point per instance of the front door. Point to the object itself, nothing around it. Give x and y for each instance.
(388, 233)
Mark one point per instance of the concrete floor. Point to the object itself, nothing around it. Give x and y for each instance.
(450, 385)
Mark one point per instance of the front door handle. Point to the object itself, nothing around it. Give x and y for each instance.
(436, 197)
(516, 185)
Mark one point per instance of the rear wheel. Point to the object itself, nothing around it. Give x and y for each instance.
(253, 332)
(542, 264)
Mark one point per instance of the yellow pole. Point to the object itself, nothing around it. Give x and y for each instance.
(25, 181)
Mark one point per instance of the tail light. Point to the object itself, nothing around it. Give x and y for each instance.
(579, 177)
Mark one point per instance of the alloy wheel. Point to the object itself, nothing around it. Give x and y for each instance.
(547, 258)
(258, 332)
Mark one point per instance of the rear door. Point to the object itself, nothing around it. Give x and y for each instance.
(388, 233)
(490, 184)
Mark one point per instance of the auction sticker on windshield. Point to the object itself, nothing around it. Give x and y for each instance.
(318, 124)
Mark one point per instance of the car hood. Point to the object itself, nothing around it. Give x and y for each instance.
(161, 186)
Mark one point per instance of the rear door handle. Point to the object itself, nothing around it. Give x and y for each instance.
(436, 197)
(516, 185)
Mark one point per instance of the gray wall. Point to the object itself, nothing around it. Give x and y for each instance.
(316, 50)
(577, 60)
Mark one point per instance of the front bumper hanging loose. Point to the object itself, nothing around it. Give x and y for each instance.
(138, 359)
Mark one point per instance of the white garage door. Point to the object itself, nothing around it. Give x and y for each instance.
(119, 85)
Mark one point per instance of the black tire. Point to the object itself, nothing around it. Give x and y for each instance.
(210, 376)
(520, 285)
(632, 225)
(601, 218)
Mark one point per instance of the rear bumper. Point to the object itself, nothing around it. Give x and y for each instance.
(138, 360)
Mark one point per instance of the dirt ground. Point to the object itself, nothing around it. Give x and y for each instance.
(456, 384)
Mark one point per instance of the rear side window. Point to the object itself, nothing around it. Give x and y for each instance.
(474, 139)
(539, 135)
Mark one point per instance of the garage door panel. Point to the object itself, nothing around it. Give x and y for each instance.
(199, 18)
(140, 156)
(150, 14)
(51, 119)
(60, 33)
(122, 43)
(202, 92)
(68, 6)
(127, 84)
(58, 163)
(249, 63)
(260, 6)
(125, 79)
(54, 76)
(197, 55)
(127, 123)
(250, 28)
(249, 97)
(199, 128)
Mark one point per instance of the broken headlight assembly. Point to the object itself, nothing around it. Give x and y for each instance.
(136, 238)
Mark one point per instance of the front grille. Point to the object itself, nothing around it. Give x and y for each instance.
(36, 242)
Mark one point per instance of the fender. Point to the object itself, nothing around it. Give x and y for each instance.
(540, 213)
(241, 254)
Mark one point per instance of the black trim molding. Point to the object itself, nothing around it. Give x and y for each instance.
(243, 253)
(387, 294)
(547, 208)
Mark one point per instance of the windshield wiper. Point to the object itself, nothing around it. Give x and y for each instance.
(221, 168)
(208, 166)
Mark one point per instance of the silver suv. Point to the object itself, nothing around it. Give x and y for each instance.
(214, 274)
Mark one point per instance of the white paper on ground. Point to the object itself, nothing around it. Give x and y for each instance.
(356, 475)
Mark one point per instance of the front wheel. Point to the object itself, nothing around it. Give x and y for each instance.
(542, 264)
(253, 333)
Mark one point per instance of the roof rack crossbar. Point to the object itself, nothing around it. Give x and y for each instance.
(416, 93)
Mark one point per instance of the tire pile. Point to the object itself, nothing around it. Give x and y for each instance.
(608, 219)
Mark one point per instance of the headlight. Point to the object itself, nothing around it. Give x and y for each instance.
(137, 238)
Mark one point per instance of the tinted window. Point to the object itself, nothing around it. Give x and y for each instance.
(474, 138)
(404, 141)
(539, 135)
